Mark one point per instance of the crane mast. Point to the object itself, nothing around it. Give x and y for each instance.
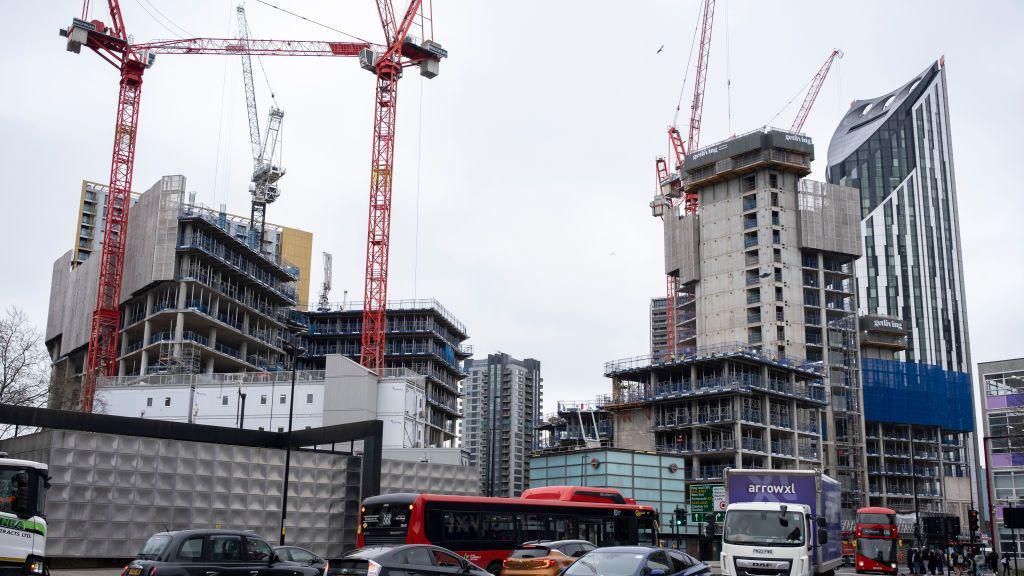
(812, 92)
(267, 168)
(325, 289)
(668, 201)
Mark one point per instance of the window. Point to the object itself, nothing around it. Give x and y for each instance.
(283, 399)
(226, 548)
(261, 428)
(499, 528)
(657, 561)
(149, 402)
(280, 428)
(680, 562)
(191, 550)
(775, 198)
(309, 398)
(167, 401)
(224, 401)
(416, 556)
(773, 180)
(259, 551)
(446, 560)
(749, 183)
(263, 399)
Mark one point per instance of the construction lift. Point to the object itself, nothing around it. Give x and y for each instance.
(112, 44)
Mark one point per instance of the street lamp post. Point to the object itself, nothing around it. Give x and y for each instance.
(292, 347)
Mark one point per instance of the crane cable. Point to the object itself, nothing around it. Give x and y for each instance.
(419, 158)
(783, 109)
(259, 60)
(728, 69)
(311, 21)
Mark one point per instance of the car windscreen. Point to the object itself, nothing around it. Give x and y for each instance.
(530, 552)
(154, 547)
(764, 528)
(598, 563)
(876, 519)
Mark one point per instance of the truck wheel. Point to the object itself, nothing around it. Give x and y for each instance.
(494, 568)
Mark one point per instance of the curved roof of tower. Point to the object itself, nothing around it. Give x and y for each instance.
(865, 116)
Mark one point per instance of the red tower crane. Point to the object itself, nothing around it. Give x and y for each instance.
(812, 92)
(679, 151)
(111, 43)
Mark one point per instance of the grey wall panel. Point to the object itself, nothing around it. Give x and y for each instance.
(682, 246)
(829, 217)
(153, 235)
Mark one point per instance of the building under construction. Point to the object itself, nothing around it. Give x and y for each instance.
(195, 297)
(422, 336)
(575, 425)
(761, 366)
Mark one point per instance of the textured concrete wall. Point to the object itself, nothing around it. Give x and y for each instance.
(682, 246)
(110, 493)
(829, 217)
(633, 429)
(152, 236)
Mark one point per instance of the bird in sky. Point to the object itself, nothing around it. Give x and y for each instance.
(660, 49)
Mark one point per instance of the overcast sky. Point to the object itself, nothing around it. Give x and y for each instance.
(529, 157)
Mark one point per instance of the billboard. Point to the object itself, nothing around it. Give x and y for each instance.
(705, 500)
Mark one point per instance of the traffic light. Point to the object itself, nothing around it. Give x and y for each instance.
(972, 522)
(680, 517)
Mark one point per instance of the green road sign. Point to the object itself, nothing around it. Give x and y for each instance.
(702, 517)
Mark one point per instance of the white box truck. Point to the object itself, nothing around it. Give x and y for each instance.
(781, 523)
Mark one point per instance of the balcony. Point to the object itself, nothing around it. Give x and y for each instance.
(754, 317)
(749, 222)
(753, 297)
(751, 415)
(752, 444)
(782, 448)
(750, 240)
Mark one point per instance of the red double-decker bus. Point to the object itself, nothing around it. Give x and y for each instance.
(486, 530)
(877, 540)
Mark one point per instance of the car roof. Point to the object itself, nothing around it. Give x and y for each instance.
(550, 543)
(211, 531)
(627, 549)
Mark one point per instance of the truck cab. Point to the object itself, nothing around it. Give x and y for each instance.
(768, 539)
(23, 485)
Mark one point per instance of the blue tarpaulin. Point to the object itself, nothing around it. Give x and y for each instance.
(912, 393)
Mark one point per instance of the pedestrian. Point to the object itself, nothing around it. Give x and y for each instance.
(1006, 565)
(993, 562)
(979, 562)
(958, 562)
(940, 560)
(912, 560)
(932, 559)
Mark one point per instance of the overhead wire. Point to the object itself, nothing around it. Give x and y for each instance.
(728, 69)
(220, 124)
(311, 21)
(157, 20)
(169, 21)
(266, 78)
(689, 60)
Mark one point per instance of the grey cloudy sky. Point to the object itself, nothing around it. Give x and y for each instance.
(532, 150)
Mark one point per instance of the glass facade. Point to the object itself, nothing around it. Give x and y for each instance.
(651, 479)
(895, 149)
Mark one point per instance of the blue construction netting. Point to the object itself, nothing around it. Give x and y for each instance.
(911, 393)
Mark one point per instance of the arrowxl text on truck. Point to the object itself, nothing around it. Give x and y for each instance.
(781, 523)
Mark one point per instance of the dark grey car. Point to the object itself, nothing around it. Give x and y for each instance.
(404, 560)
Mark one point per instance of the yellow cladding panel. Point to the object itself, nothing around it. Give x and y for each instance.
(297, 249)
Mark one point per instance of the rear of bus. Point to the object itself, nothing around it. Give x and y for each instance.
(385, 521)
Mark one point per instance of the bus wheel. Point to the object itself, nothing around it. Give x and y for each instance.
(494, 568)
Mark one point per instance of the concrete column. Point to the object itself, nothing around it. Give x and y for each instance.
(737, 434)
(182, 290)
(143, 362)
(209, 364)
(149, 303)
(214, 306)
(147, 332)
(767, 431)
(796, 435)
(213, 337)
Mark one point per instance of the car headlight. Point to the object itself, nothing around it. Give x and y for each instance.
(893, 565)
(35, 567)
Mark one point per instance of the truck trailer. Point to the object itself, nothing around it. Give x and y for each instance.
(781, 523)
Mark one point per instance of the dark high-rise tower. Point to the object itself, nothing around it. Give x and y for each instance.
(916, 360)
